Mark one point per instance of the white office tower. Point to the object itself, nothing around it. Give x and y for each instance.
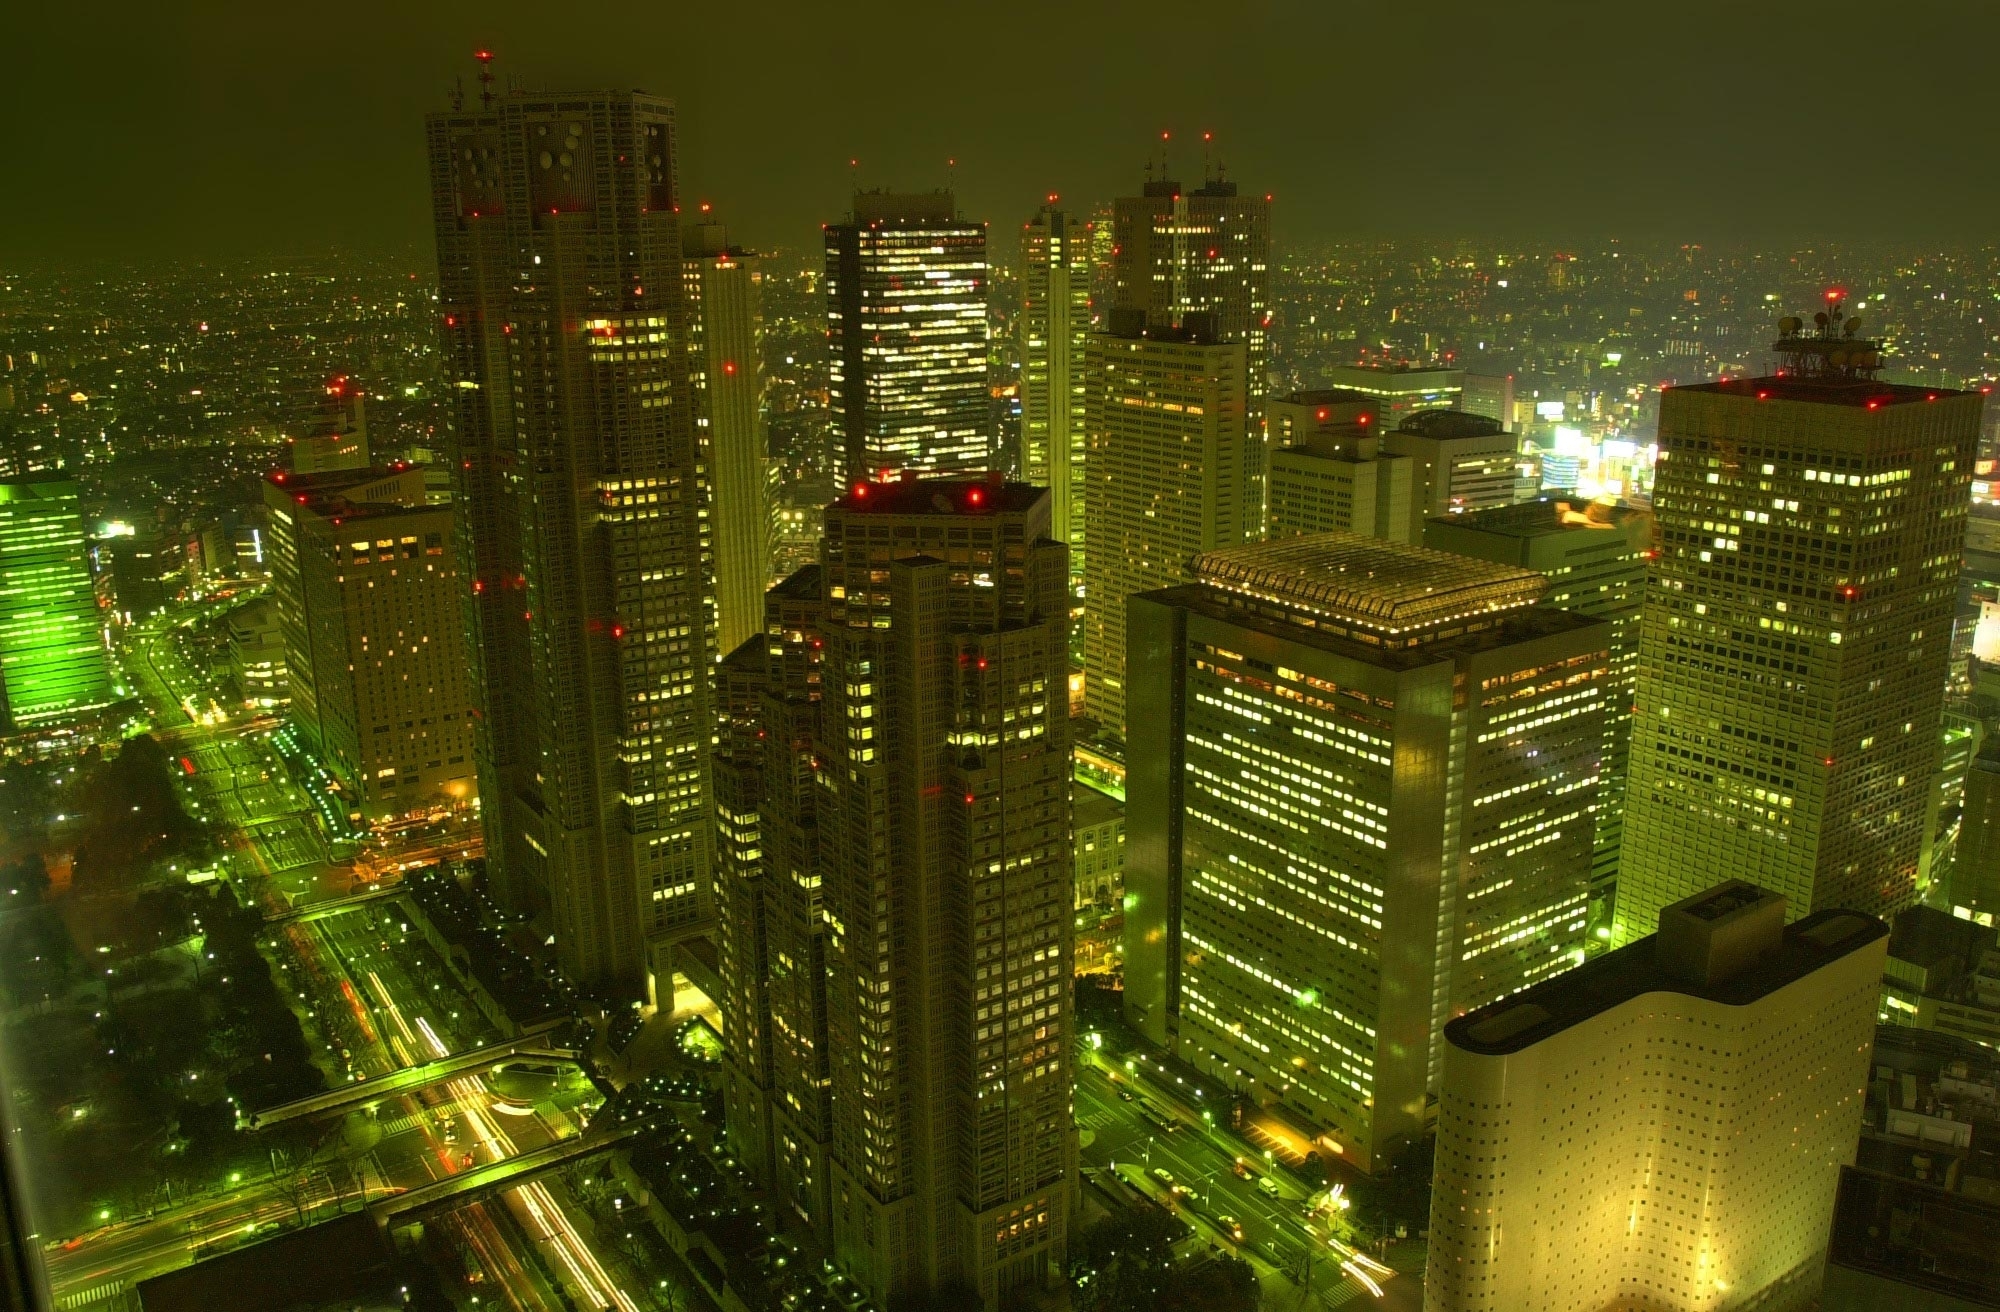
(1663, 1127)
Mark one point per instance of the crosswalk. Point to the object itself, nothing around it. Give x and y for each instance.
(108, 1296)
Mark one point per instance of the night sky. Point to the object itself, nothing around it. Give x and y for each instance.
(202, 128)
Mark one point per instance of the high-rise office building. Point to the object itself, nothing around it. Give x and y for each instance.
(1463, 462)
(1101, 232)
(1053, 329)
(773, 927)
(1796, 635)
(53, 666)
(1173, 407)
(1403, 390)
(1206, 251)
(906, 336)
(1973, 880)
(145, 569)
(583, 497)
(913, 817)
(1491, 395)
(1359, 788)
(369, 596)
(336, 437)
(1594, 556)
(726, 331)
(1663, 1127)
(1329, 473)
(1199, 260)
(1168, 475)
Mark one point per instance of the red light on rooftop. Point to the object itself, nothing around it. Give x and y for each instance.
(729, 366)
(968, 799)
(1763, 396)
(860, 491)
(1931, 397)
(1874, 405)
(300, 498)
(704, 207)
(479, 585)
(618, 630)
(1364, 419)
(976, 496)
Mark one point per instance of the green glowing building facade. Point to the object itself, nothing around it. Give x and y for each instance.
(1360, 791)
(52, 661)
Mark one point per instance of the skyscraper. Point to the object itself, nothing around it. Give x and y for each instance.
(1973, 881)
(1797, 628)
(726, 328)
(53, 666)
(1168, 476)
(337, 436)
(1359, 785)
(1173, 407)
(1463, 462)
(369, 596)
(1329, 472)
(1054, 337)
(773, 926)
(583, 495)
(1199, 260)
(906, 336)
(1594, 557)
(1662, 1127)
(1404, 390)
(1204, 251)
(916, 877)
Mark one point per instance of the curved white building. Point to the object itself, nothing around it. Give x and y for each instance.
(1663, 1127)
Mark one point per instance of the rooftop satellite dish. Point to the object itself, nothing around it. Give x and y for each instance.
(1851, 325)
(1837, 357)
(1821, 319)
(1790, 324)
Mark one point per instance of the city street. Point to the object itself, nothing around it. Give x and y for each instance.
(406, 1006)
(1123, 1109)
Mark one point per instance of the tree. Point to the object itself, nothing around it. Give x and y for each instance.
(1124, 1262)
(1224, 1284)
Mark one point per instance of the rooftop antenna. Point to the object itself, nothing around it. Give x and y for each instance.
(951, 174)
(457, 94)
(1165, 172)
(485, 58)
(1207, 161)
